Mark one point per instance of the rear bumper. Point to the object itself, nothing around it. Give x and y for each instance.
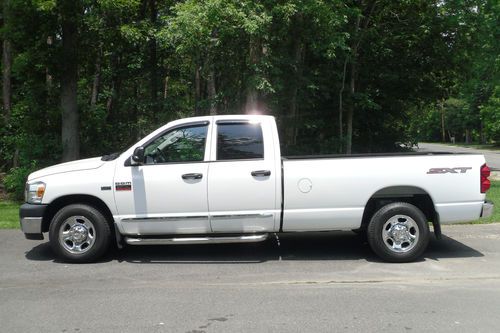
(487, 210)
(31, 217)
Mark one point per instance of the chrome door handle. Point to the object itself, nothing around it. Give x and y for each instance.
(192, 176)
(261, 173)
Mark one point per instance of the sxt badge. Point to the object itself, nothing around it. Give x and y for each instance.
(448, 170)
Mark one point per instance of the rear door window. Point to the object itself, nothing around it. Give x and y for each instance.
(239, 141)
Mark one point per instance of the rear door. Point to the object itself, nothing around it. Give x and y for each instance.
(242, 178)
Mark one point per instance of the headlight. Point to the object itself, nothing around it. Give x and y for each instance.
(34, 192)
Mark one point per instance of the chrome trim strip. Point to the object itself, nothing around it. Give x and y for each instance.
(242, 216)
(31, 225)
(164, 218)
(196, 240)
(197, 217)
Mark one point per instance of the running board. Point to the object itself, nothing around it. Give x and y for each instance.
(196, 240)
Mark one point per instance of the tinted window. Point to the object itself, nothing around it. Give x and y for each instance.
(185, 144)
(239, 141)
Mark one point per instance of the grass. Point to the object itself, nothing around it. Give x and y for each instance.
(494, 195)
(9, 215)
(9, 210)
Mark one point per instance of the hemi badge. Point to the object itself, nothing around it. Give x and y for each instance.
(105, 188)
(123, 186)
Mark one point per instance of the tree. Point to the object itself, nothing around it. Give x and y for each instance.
(70, 12)
(339, 76)
(6, 63)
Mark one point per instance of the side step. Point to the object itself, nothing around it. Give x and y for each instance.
(196, 240)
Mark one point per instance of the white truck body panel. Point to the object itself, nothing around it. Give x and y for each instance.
(341, 188)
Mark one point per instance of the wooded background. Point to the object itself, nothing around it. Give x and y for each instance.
(82, 78)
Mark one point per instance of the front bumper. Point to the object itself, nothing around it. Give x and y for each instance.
(487, 210)
(31, 218)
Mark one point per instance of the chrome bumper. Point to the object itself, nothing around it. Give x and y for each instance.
(31, 218)
(487, 210)
(31, 225)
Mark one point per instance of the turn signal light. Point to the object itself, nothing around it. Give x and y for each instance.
(485, 182)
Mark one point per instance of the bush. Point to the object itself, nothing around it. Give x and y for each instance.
(491, 116)
(15, 179)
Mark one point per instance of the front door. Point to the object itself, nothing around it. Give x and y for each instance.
(168, 193)
(242, 179)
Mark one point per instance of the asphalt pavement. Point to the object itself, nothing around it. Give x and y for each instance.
(325, 282)
(492, 157)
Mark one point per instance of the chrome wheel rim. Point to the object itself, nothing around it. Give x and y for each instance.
(400, 233)
(77, 234)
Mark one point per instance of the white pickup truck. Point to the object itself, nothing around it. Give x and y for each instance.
(222, 179)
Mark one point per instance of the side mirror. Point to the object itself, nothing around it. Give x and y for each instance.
(138, 156)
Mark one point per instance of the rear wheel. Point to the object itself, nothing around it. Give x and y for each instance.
(79, 233)
(398, 232)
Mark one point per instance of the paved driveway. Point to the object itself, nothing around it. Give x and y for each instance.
(319, 283)
(492, 157)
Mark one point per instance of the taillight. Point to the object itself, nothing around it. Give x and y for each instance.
(485, 182)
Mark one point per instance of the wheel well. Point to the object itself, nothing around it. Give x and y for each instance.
(60, 202)
(410, 194)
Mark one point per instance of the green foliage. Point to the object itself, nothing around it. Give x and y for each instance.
(490, 113)
(144, 63)
(14, 181)
(493, 194)
(476, 60)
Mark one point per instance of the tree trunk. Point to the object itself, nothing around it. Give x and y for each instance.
(96, 82)
(114, 98)
(48, 76)
(341, 106)
(482, 134)
(362, 23)
(350, 110)
(197, 91)
(443, 132)
(69, 77)
(165, 87)
(137, 134)
(153, 62)
(468, 139)
(251, 103)
(6, 79)
(212, 93)
(6, 67)
(293, 106)
(298, 60)
(110, 102)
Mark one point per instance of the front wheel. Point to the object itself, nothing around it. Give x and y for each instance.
(398, 232)
(79, 233)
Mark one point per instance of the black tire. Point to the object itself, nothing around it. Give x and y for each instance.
(361, 234)
(406, 234)
(87, 230)
(359, 231)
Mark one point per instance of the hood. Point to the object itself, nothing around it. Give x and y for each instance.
(86, 164)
